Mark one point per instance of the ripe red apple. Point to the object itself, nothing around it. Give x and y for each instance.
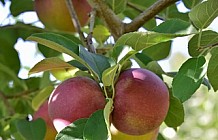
(54, 14)
(42, 112)
(73, 99)
(141, 102)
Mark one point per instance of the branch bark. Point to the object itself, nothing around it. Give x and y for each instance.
(148, 14)
(117, 27)
(75, 20)
(114, 24)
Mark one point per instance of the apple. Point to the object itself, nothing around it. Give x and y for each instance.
(42, 113)
(75, 98)
(117, 135)
(141, 102)
(54, 14)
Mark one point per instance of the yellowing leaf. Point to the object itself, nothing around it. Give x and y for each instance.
(49, 64)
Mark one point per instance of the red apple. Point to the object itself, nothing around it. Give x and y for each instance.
(42, 112)
(54, 14)
(141, 102)
(73, 99)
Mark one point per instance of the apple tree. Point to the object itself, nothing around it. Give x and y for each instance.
(100, 40)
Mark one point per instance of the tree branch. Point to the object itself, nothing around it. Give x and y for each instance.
(117, 27)
(75, 21)
(112, 21)
(89, 42)
(148, 14)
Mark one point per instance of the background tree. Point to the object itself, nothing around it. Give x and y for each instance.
(101, 48)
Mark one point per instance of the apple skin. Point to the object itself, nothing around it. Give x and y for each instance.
(54, 14)
(141, 102)
(73, 99)
(117, 135)
(42, 112)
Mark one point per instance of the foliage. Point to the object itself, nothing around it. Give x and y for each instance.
(20, 97)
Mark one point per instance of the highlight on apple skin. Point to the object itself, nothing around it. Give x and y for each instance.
(42, 112)
(73, 99)
(54, 14)
(141, 102)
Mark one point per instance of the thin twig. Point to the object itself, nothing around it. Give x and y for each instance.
(75, 21)
(89, 42)
(10, 109)
(148, 14)
(133, 6)
(19, 95)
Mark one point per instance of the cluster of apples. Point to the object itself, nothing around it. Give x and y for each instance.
(141, 99)
(140, 104)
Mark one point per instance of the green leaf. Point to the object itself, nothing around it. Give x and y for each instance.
(107, 112)
(146, 62)
(212, 70)
(155, 67)
(160, 137)
(175, 115)
(74, 131)
(95, 128)
(204, 82)
(7, 52)
(190, 4)
(203, 14)
(208, 38)
(49, 64)
(52, 53)
(141, 40)
(97, 62)
(40, 98)
(8, 38)
(109, 75)
(32, 130)
(172, 26)
(47, 52)
(56, 42)
(172, 12)
(101, 33)
(45, 80)
(13, 75)
(158, 51)
(33, 83)
(142, 59)
(19, 6)
(117, 6)
(189, 78)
